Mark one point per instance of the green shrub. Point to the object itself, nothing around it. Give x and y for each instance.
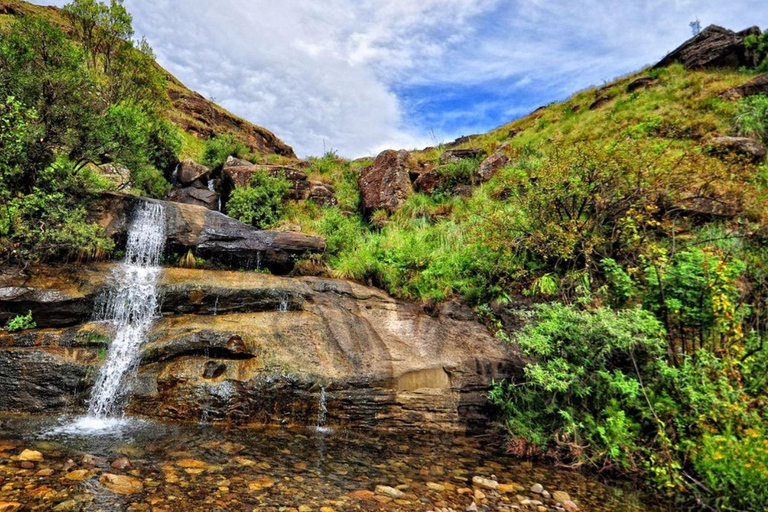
(164, 145)
(752, 116)
(219, 148)
(21, 323)
(759, 45)
(458, 172)
(584, 395)
(150, 182)
(261, 202)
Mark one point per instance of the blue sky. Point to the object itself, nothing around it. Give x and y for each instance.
(359, 76)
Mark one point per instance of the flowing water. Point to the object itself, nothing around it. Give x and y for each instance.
(130, 307)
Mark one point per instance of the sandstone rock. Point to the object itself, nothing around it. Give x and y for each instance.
(485, 483)
(386, 184)
(232, 161)
(386, 363)
(211, 233)
(561, 496)
(750, 148)
(713, 47)
(640, 83)
(31, 456)
(189, 171)
(390, 492)
(432, 486)
(121, 484)
(322, 194)
(195, 196)
(758, 85)
(9, 506)
(509, 488)
(454, 155)
(491, 165)
(362, 494)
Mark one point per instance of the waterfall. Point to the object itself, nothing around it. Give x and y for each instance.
(130, 307)
(322, 412)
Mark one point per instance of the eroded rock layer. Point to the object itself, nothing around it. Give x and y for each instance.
(245, 347)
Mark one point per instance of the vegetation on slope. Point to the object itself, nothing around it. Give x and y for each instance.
(643, 245)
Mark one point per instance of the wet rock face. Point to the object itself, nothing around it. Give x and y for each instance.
(386, 184)
(211, 233)
(714, 47)
(246, 348)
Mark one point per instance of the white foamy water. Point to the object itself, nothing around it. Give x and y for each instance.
(130, 307)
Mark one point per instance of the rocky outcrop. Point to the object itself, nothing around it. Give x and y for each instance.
(238, 173)
(190, 171)
(386, 184)
(714, 47)
(210, 233)
(454, 155)
(744, 146)
(205, 119)
(758, 85)
(640, 83)
(195, 196)
(253, 348)
(491, 165)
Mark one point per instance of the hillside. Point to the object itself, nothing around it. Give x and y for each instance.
(189, 110)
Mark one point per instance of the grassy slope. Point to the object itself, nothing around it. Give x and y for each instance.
(434, 246)
(198, 117)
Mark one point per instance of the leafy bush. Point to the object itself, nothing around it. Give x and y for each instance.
(585, 395)
(21, 323)
(219, 148)
(261, 202)
(759, 45)
(164, 145)
(752, 116)
(459, 172)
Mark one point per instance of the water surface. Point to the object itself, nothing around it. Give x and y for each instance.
(205, 467)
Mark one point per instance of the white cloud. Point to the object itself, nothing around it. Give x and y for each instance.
(321, 75)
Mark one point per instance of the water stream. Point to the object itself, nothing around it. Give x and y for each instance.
(130, 307)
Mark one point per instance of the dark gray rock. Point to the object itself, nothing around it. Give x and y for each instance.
(453, 155)
(758, 85)
(212, 234)
(714, 47)
(195, 196)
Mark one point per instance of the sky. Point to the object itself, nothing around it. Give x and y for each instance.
(360, 76)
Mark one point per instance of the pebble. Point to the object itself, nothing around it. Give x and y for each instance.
(121, 484)
(485, 483)
(31, 456)
(570, 506)
(121, 464)
(9, 506)
(537, 488)
(472, 507)
(391, 492)
(546, 495)
(78, 475)
(561, 496)
(435, 487)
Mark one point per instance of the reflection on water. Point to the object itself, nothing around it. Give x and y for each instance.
(201, 467)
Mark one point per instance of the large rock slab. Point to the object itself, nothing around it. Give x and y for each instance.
(245, 347)
(208, 199)
(714, 47)
(212, 234)
(758, 85)
(386, 184)
(747, 147)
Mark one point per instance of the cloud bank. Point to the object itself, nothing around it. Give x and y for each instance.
(358, 76)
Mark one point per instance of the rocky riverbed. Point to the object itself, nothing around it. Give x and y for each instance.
(142, 465)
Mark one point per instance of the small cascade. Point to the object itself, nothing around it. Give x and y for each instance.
(322, 412)
(212, 185)
(283, 308)
(175, 177)
(130, 307)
